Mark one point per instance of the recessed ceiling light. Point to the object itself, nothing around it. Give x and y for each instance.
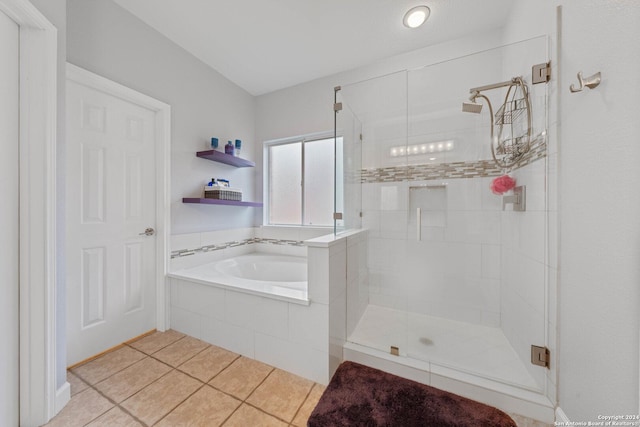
(416, 16)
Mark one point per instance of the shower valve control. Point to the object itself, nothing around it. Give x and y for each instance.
(518, 199)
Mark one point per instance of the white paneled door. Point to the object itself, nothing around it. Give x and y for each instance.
(9, 216)
(111, 221)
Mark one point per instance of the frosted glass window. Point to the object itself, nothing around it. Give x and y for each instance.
(301, 182)
(319, 182)
(285, 183)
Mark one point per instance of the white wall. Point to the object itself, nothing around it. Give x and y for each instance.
(109, 41)
(9, 220)
(599, 210)
(598, 157)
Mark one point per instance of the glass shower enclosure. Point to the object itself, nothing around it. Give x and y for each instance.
(457, 274)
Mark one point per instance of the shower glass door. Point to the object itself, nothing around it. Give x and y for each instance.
(348, 163)
(379, 106)
(458, 279)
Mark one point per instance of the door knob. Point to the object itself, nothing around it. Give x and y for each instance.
(148, 232)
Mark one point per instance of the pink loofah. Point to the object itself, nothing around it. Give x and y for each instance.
(502, 184)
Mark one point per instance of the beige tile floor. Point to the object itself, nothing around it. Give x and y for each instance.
(170, 379)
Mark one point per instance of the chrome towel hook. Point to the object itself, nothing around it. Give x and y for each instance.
(590, 82)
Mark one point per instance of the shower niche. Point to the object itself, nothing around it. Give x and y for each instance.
(458, 282)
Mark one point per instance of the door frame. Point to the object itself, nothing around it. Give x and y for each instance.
(40, 398)
(162, 125)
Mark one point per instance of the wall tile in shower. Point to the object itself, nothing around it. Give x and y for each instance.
(432, 202)
(473, 227)
(533, 176)
(371, 222)
(489, 201)
(462, 259)
(371, 196)
(393, 197)
(532, 235)
(464, 194)
(491, 259)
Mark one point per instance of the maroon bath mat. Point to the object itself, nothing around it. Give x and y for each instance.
(362, 396)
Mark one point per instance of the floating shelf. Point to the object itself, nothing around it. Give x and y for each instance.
(227, 159)
(220, 202)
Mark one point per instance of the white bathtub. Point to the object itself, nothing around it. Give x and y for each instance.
(276, 276)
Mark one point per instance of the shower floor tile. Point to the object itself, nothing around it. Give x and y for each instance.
(471, 348)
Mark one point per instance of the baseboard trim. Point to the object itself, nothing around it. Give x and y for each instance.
(562, 417)
(109, 350)
(63, 396)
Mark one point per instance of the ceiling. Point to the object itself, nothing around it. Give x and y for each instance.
(266, 45)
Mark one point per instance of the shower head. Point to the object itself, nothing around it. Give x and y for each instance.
(472, 106)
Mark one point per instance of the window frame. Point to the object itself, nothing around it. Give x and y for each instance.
(266, 176)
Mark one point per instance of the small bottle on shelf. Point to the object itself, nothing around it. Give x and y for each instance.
(229, 149)
(238, 147)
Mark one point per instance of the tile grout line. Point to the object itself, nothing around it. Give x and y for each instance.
(273, 415)
(244, 401)
(181, 402)
(115, 404)
(206, 384)
(123, 345)
(137, 392)
(302, 403)
(178, 370)
(117, 372)
(118, 405)
(172, 368)
(96, 416)
(129, 344)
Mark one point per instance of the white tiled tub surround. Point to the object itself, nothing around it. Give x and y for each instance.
(283, 334)
(338, 278)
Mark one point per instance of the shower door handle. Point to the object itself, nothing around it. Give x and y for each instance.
(418, 224)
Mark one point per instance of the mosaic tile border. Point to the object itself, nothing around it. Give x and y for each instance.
(475, 169)
(211, 248)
